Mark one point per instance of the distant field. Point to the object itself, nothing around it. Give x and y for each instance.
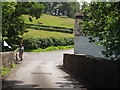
(55, 33)
(51, 21)
(39, 33)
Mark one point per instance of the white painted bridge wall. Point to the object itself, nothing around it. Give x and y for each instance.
(83, 46)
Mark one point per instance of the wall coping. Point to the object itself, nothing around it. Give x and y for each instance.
(95, 58)
(6, 52)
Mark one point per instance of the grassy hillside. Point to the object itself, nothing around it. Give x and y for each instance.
(54, 33)
(48, 20)
(51, 21)
(39, 33)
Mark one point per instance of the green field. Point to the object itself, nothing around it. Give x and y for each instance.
(51, 21)
(50, 36)
(40, 33)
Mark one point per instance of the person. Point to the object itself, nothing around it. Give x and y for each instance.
(21, 50)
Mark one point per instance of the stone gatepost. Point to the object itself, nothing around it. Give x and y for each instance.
(76, 30)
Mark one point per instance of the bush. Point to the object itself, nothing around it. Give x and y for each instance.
(30, 43)
(35, 43)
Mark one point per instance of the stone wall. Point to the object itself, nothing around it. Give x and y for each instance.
(7, 58)
(100, 72)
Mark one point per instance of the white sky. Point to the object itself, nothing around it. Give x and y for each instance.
(84, 0)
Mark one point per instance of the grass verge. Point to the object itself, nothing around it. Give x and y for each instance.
(51, 48)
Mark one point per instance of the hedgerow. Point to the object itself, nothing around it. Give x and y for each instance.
(35, 43)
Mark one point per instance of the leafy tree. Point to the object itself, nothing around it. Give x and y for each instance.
(0, 26)
(71, 9)
(13, 25)
(62, 8)
(50, 7)
(102, 20)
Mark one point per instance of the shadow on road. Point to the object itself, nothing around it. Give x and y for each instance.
(76, 80)
(7, 84)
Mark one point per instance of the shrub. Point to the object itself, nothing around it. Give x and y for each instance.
(35, 43)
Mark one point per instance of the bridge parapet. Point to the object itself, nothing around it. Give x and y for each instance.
(102, 73)
(7, 58)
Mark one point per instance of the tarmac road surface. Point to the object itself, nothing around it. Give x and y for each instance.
(42, 70)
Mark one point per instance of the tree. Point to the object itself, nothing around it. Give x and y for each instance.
(0, 26)
(13, 25)
(101, 20)
(71, 9)
(62, 8)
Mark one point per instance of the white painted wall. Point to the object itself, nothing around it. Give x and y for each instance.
(83, 46)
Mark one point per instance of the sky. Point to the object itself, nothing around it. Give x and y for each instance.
(84, 0)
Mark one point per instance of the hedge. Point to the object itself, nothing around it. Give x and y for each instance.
(52, 29)
(35, 43)
(49, 26)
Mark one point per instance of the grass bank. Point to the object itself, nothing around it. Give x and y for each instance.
(45, 34)
(52, 48)
(50, 20)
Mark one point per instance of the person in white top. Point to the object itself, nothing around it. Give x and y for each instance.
(21, 50)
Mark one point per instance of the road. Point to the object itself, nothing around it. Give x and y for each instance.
(42, 70)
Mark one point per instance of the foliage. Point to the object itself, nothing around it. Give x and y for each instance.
(35, 43)
(51, 48)
(13, 24)
(0, 23)
(102, 20)
(5, 70)
(13, 65)
(61, 8)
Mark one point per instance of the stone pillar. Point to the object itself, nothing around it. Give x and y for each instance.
(76, 30)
